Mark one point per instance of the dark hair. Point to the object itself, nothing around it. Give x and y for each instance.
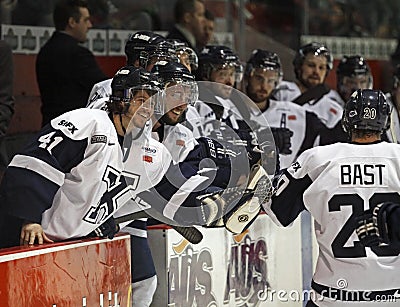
(208, 15)
(182, 7)
(65, 9)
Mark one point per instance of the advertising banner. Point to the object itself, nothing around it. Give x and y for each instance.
(260, 267)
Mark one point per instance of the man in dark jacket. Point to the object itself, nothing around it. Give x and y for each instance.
(189, 22)
(66, 71)
(6, 87)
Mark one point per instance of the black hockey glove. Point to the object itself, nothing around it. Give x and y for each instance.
(106, 230)
(378, 225)
(214, 157)
(282, 138)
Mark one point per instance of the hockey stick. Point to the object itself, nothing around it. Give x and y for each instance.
(190, 233)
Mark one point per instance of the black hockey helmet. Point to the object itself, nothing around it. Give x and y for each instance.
(366, 110)
(163, 51)
(139, 44)
(126, 82)
(317, 49)
(264, 59)
(218, 57)
(176, 74)
(353, 73)
(396, 76)
(353, 66)
(182, 50)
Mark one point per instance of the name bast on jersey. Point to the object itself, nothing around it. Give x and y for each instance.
(336, 183)
(64, 172)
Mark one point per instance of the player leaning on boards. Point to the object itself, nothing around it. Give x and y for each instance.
(59, 186)
(336, 183)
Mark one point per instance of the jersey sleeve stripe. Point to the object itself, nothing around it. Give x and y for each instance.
(40, 167)
(180, 196)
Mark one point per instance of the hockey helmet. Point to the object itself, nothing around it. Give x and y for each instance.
(396, 77)
(185, 54)
(126, 82)
(139, 44)
(266, 60)
(217, 57)
(349, 68)
(175, 76)
(366, 110)
(315, 48)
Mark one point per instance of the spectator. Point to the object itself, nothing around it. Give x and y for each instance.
(6, 87)
(189, 22)
(33, 13)
(66, 71)
(208, 35)
(6, 99)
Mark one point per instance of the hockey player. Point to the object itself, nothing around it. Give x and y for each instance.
(263, 74)
(181, 92)
(185, 54)
(353, 73)
(220, 105)
(312, 64)
(221, 67)
(336, 183)
(67, 172)
(142, 50)
(393, 134)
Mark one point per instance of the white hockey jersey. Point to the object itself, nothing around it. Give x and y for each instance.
(336, 183)
(306, 126)
(69, 166)
(327, 108)
(100, 90)
(393, 133)
(178, 139)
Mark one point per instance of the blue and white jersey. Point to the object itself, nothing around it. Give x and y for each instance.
(78, 146)
(336, 183)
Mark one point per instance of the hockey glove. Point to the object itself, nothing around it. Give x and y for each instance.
(222, 158)
(237, 208)
(282, 138)
(106, 230)
(375, 226)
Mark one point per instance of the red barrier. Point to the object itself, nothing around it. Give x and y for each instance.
(78, 273)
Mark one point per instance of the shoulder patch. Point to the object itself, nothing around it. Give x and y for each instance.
(98, 139)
